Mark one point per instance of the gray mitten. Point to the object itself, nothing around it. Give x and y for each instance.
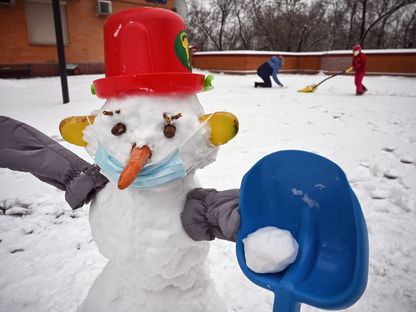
(24, 148)
(209, 213)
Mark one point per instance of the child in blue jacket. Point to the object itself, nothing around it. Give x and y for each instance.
(267, 69)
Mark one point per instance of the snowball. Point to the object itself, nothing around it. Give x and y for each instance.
(270, 250)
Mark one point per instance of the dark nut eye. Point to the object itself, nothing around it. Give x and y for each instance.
(118, 129)
(169, 131)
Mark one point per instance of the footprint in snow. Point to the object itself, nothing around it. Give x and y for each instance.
(16, 250)
(388, 149)
(406, 160)
(14, 207)
(379, 194)
(361, 174)
(391, 173)
(365, 164)
(338, 115)
(18, 211)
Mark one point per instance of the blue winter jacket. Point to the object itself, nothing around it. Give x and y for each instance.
(275, 63)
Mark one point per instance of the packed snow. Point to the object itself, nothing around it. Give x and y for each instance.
(49, 261)
(270, 250)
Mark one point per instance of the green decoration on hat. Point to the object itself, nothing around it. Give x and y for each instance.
(92, 89)
(182, 49)
(208, 83)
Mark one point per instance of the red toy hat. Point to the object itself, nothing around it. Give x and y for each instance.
(146, 51)
(356, 47)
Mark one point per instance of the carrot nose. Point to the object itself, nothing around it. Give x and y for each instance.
(138, 157)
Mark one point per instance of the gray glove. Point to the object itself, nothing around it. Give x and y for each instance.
(209, 213)
(24, 148)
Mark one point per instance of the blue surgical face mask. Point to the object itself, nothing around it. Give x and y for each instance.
(168, 169)
(151, 175)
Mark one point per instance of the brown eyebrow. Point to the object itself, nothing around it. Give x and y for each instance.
(177, 116)
(107, 113)
(168, 119)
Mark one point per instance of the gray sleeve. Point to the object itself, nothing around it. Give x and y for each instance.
(24, 148)
(209, 213)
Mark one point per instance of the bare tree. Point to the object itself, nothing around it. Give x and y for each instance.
(409, 30)
(336, 24)
(301, 25)
(200, 26)
(314, 30)
(396, 6)
(353, 5)
(261, 12)
(243, 23)
(225, 8)
(363, 17)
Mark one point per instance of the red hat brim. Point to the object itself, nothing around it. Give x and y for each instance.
(154, 83)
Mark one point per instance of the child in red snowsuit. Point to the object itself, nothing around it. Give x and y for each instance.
(358, 63)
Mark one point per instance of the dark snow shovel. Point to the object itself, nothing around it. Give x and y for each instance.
(309, 196)
(314, 87)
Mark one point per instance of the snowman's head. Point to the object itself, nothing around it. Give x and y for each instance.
(153, 128)
(151, 109)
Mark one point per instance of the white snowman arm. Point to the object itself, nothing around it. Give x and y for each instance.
(24, 148)
(210, 214)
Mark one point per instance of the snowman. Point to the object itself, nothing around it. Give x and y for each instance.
(149, 138)
(152, 221)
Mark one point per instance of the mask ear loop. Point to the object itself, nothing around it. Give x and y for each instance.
(196, 131)
(214, 150)
(96, 137)
(170, 154)
(92, 127)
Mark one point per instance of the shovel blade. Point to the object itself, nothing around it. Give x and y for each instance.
(308, 89)
(309, 196)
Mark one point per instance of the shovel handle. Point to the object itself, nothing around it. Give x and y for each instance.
(332, 76)
(284, 302)
(349, 70)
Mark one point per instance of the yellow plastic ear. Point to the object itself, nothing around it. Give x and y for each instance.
(224, 126)
(71, 128)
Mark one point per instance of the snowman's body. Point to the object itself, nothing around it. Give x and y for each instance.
(153, 264)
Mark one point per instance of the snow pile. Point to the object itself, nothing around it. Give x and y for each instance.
(270, 250)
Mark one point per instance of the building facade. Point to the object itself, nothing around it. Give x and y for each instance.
(27, 37)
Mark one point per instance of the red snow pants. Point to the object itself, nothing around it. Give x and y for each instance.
(359, 82)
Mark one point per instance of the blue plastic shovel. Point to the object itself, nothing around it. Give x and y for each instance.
(309, 196)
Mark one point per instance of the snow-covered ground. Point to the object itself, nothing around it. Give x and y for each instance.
(48, 260)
